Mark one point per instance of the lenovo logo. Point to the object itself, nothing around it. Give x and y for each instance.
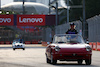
(30, 20)
(5, 20)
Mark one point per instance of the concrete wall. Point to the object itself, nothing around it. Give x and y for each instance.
(94, 29)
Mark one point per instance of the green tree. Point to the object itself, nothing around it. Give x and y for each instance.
(75, 13)
(10, 12)
(92, 8)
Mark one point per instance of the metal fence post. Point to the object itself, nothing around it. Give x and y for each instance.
(49, 7)
(67, 11)
(83, 18)
(56, 15)
(23, 7)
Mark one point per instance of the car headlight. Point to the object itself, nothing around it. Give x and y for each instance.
(88, 48)
(57, 48)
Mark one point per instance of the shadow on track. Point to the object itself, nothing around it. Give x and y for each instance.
(73, 65)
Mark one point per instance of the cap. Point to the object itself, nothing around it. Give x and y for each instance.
(72, 24)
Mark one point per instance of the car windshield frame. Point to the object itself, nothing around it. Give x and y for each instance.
(17, 41)
(68, 38)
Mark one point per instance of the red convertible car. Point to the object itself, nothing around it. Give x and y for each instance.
(68, 47)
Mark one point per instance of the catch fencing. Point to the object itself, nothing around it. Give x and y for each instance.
(7, 36)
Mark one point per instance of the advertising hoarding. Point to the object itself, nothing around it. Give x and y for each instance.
(6, 20)
(30, 20)
(27, 20)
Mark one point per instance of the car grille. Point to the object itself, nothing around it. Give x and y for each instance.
(73, 56)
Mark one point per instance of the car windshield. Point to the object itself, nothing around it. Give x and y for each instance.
(17, 41)
(67, 38)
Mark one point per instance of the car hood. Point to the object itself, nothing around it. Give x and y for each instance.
(72, 48)
(72, 45)
(18, 43)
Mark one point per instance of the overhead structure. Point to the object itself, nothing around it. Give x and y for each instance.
(29, 8)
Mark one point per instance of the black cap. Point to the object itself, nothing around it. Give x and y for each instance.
(72, 24)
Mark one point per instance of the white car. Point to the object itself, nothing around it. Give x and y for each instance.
(18, 45)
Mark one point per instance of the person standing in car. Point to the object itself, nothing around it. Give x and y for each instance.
(72, 29)
(21, 40)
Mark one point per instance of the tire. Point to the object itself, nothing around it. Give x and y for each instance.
(23, 48)
(47, 60)
(88, 61)
(54, 62)
(13, 48)
(80, 61)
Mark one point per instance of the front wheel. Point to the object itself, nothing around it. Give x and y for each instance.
(53, 61)
(80, 62)
(88, 61)
(13, 48)
(48, 61)
(23, 48)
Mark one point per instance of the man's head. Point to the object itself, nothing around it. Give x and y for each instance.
(72, 25)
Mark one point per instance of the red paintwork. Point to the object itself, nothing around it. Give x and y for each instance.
(68, 53)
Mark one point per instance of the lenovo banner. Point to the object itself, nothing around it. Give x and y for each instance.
(30, 20)
(6, 20)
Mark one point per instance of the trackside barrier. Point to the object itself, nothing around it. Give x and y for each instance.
(98, 46)
(44, 43)
(11, 42)
(1, 42)
(90, 43)
(34, 42)
(7, 42)
(94, 46)
(27, 42)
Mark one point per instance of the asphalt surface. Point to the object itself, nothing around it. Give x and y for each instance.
(34, 56)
